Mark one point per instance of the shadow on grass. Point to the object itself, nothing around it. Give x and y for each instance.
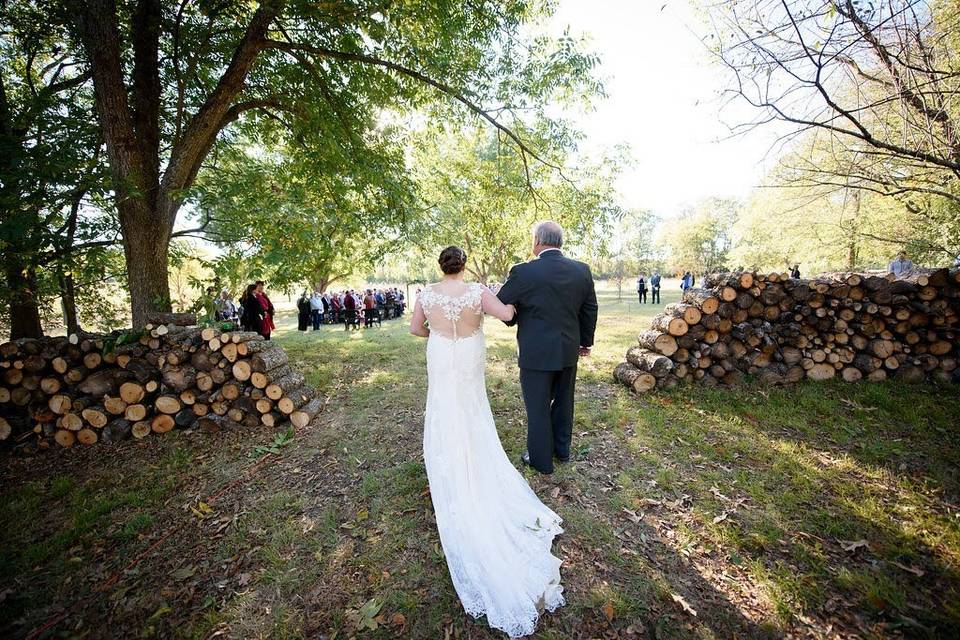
(843, 502)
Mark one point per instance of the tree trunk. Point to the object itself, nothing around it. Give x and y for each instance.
(146, 242)
(320, 281)
(24, 309)
(852, 249)
(68, 302)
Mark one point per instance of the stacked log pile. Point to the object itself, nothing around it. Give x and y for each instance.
(92, 388)
(783, 330)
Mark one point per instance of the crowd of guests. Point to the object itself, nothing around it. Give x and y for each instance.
(254, 310)
(349, 307)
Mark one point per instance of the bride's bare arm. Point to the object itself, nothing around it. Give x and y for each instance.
(417, 327)
(492, 306)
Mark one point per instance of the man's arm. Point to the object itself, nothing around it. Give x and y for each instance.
(588, 314)
(510, 292)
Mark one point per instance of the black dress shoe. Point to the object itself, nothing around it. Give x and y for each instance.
(559, 459)
(525, 460)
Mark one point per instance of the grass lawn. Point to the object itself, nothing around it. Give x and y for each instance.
(822, 510)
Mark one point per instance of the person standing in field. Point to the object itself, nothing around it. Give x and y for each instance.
(795, 272)
(251, 317)
(655, 288)
(642, 288)
(303, 312)
(686, 281)
(260, 295)
(316, 309)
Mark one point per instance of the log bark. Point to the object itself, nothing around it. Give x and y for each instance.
(633, 378)
(305, 414)
(660, 342)
(654, 363)
(704, 299)
(293, 380)
(268, 359)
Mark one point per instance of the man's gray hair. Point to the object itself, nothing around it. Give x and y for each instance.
(548, 233)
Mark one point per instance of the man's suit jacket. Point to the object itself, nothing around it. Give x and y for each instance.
(556, 310)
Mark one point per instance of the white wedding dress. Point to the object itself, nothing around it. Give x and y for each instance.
(495, 532)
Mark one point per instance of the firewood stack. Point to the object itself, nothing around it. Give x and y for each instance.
(783, 330)
(89, 388)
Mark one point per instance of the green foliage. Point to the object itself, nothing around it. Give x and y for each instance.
(483, 197)
(700, 239)
(797, 216)
(53, 172)
(295, 216)
(279, 441)
(634, 247)
(871, 120)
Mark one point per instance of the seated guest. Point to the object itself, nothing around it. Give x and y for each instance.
(902, 265)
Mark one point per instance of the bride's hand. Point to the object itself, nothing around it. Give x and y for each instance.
(513, 310)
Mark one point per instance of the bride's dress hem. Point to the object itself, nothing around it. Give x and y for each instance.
(550, 600)
(496, 534)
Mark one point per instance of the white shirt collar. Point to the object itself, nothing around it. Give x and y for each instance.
(548, 249)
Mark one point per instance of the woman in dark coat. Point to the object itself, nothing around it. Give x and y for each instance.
(303, 312)
(252, 316)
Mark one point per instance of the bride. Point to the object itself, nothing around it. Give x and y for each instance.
(495, 532)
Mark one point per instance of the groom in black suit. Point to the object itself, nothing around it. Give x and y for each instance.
(556, 319)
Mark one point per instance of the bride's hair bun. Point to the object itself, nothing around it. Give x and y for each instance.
(452, 260)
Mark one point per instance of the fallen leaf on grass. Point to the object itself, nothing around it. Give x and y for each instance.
(398, 620)
(683, 603)
(202, 510)
(917, 571)
(608, 611)
(244, 579)
(184, 572)
(365, 616)
(648, 502)
(632, 515)
(720, 518)
(853, 546)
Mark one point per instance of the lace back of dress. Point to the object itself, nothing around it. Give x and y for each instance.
(453, 316)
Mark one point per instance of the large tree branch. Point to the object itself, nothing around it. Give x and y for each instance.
(199, 135)
(915, 100)
(443, 87)
(273, 102)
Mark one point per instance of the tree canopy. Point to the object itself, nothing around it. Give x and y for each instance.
(173, 84)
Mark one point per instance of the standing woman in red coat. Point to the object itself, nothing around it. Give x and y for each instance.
(268, 325)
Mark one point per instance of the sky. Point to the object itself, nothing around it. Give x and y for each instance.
(664, 102)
